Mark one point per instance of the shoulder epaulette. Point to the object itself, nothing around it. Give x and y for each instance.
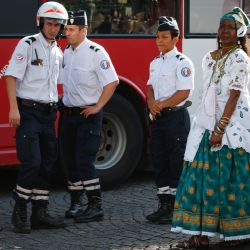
(30, 40)
(94, 48)
(67, 46)
(179, 57)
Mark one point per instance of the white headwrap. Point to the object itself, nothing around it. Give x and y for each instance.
(240, 18)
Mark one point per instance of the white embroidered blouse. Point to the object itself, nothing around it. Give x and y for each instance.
(236, 76)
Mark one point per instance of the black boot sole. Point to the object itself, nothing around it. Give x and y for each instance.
(99, 218)
(160, 221)
(41, 226)
(22, 231)
(165, 222)
(70, 216)
(153, 221)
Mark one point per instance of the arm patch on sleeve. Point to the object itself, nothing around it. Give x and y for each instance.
(185, 71)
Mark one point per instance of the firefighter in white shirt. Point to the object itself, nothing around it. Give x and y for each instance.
(89, 80)
(169, 85)
(31, 78)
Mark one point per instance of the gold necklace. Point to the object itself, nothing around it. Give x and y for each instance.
(227, 47)
(218, 69)
(228, 52)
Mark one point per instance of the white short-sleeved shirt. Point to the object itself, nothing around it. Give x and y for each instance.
(36, 81)
(236, 76)
(86, 70)
(169, 73)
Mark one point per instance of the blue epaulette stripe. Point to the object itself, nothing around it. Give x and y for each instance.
(94, 48)
(30, 40)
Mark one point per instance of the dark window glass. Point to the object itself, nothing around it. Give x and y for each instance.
(123, 16)
(18, 17)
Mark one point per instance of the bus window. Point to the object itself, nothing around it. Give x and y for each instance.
(247, 8)
(203, 16)
(14, 19)
(123, 16)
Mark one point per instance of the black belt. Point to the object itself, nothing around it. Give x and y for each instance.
(172, 109)
(176, 108)
(49, 107)
(71, 110)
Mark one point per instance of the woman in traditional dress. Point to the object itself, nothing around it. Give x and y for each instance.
(213, 192)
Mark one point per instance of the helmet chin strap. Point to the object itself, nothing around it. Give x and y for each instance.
(47, 38)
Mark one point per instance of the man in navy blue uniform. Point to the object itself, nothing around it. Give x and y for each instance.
(32, 77)
(89, 80)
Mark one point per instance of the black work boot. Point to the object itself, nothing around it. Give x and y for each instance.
(162, 210)
(93, 212)
(75, 204)
(19, 217)
(167, 217)
(40, 218)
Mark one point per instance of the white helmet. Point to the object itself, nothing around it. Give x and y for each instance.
(52, 10)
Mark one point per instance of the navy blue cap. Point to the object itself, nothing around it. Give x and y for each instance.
(77, 18)
(168, 23)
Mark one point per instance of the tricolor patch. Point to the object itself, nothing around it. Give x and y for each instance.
(105, 64)
(185, 72)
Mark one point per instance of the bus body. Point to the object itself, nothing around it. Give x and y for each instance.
(126, 29)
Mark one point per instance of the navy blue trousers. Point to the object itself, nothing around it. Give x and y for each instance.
(80, 140)
(168, 141)
(36, 148)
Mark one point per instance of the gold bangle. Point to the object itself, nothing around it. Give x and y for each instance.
(215, 133)
(223, 123)
(221, 126)
(218, 129)
(226, 118)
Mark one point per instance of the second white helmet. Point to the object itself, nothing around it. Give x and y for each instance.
(52, 10)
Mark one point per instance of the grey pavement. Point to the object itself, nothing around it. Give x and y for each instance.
(124, 226)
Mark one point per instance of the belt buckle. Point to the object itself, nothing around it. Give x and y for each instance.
(51, 107)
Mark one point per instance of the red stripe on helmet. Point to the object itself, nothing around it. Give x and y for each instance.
(56, 11)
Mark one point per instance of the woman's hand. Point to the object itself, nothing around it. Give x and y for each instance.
(215, 140)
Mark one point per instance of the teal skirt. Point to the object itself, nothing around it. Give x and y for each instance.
(213, 196)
